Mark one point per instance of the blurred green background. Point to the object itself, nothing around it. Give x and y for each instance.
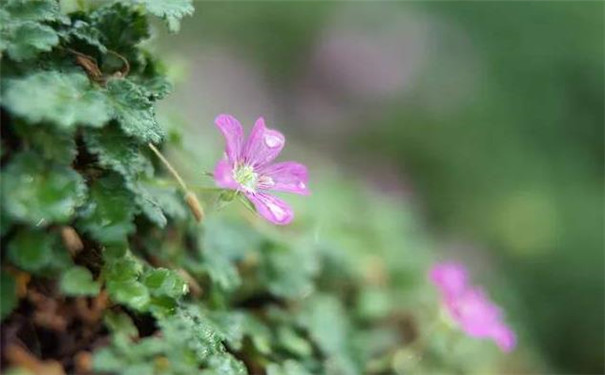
(486, 116)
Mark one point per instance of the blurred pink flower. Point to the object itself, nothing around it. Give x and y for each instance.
(450, 278)
(469, 307)
(247, 168)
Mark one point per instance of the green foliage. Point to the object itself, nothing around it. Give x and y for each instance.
(108, 215)
(8, 295)
(171, 11)
(31, 250)
(86, 212)
(23, 32)
(78, 281)
(38, 192)
(134, 111)
(66, 100)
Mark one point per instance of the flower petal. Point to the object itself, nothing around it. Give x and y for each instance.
(272, 208)
(504, 337)
(234, 136)
(451, 278)
(474, 312)
(223, 175)
(263, 145)
(288, 176)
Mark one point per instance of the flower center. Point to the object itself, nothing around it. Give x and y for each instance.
(244, 175)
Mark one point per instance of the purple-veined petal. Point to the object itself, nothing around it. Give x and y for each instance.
(234, 136)
(223, 175)
(263, 145)
(272, 208)
(288, 177)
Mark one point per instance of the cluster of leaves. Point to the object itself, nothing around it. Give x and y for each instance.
(86, 219)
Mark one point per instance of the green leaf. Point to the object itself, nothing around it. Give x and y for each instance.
(116, 151)
(134, 111)
(229, 326)
(120, 153)
(130, 293)
(327, 323)
(289, 367)
(28, 39)
(84, 31)
(289, 271)
(34, 10)
(149, 206)
(37, 192)
(64, 99)
(224, 364)
(169, 199)
(78, 281)
(121, 269)
(31, 250)
(224, 243)
(259, 334)
(52, 145)
(293, 342)
(121, 324)
(164, 282)
(170, 10)
(8, 294)
(108, 217)
(233, 239)
(121, 28)
(190, 329)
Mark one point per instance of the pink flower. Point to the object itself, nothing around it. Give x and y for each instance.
(469, 307)
(450, 278)
(248, 168)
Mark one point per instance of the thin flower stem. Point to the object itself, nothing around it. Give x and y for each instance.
(190, 197)
(170, 168)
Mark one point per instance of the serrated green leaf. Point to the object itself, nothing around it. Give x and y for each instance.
(34, 10)
(84, 31)
(37, 192)
(116, 151)
(121, 27)
(31, 250)
(190, 329)
(64, 99)
(229, 326)
(164, 282)
(109, 215)
(78, 281)
(8, 294)
(28, 39)
(170, 10)
(134, 111)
